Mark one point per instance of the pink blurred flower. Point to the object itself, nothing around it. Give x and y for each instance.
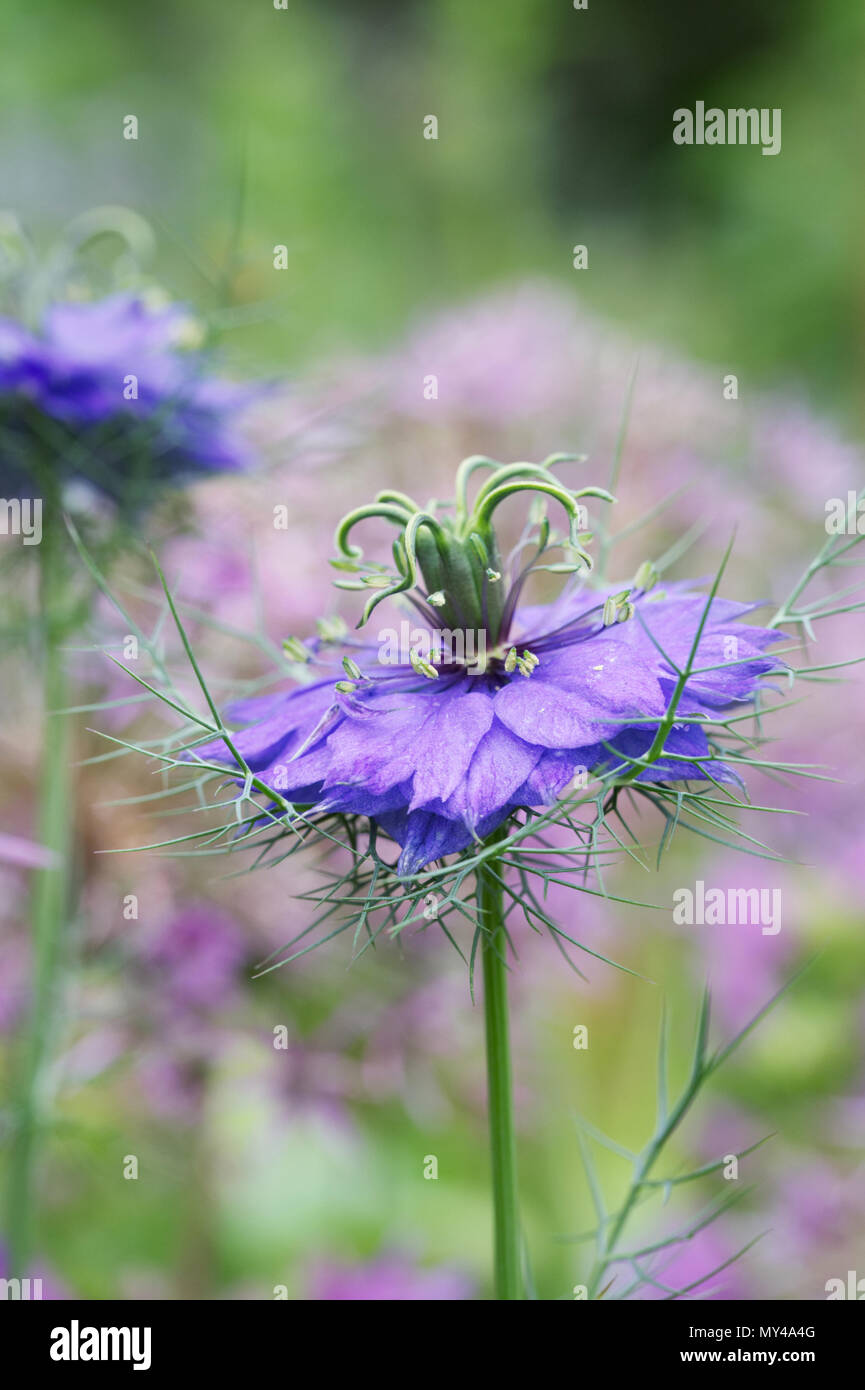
(14, 981)
(695, 1260)
(196, 957)
(25, 854)
(52, 1290)
(818, 1209)
(390, 1278)
(744, 962)
(173, 1085)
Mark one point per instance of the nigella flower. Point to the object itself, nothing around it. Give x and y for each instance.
(508, 739)
(499, 707)
(102, 399)
(112, 393)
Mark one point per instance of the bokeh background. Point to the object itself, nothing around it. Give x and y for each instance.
(304, 1166)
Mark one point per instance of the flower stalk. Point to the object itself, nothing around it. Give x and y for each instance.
(50, 895)
(503, 1155)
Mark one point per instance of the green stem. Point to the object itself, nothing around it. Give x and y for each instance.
(49, 899)
(508, 1274)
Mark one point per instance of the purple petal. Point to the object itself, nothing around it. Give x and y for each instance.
(580, 695)
(501, 765)
(426, 837)
(453, 737)
(379, 751)
(553, 771)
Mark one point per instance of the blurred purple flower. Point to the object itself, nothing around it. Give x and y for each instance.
(14, 939)
(25, 854)
(191, 967)
(52, 1290)
(308, 1079)
(692, 1262)
(14, 980)
(107, 392)
(745, 962)
(196, 957)
(819, 1209)
(389, 1279)
(514, 354)
(846, 1119)
(530, 363)
(173, 1085)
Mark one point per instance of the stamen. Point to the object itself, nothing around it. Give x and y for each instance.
(331, 629)
(618, 608)
(421, 666)
(295, 649)
(527, 663)
(646, 577)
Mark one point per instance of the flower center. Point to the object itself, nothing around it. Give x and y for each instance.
(463, 581)
(447, 559)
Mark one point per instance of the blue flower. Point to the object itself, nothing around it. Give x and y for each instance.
(438, 751)
(107, 392)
